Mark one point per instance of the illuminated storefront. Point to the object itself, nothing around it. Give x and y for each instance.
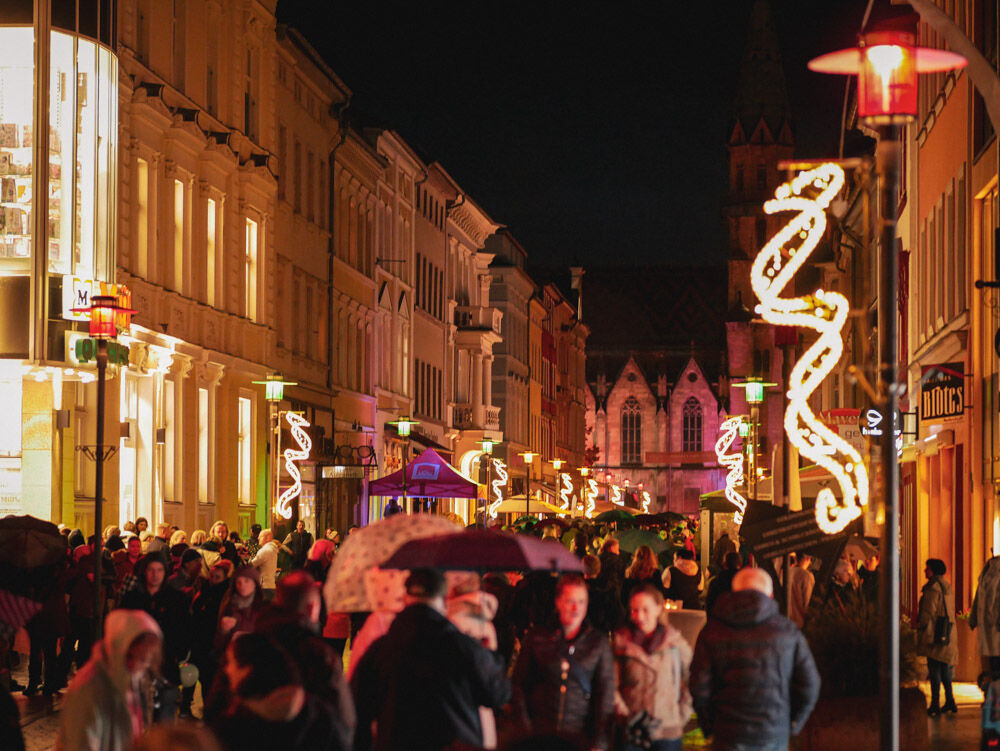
(58, 182)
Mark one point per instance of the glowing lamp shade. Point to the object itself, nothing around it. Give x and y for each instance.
(403, 426)
(886, 63)
(557, 464)
(755, 392)
(584, 471)
(274, 387)
(744, 429)
(528, 456)
(103, 309)
(487, 446)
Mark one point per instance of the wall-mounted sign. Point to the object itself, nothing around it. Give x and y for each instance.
(77, 292)
(942, 393)
(343, 472)
(846, 424)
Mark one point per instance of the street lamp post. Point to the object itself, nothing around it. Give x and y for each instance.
(403, 427)
(754, 388)
(274, 394)
(529, 458)
(105, 314)
(886, 63)
(488, 444)
(584, 495)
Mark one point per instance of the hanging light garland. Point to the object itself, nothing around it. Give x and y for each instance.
(296, 423)
(732, 462)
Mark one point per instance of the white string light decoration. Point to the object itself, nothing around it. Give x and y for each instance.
(646, 498)
(732, 462)
(296, 423)
(809, 194)
(566, 490)
(498, 482)
(591, 494)
(616, 496)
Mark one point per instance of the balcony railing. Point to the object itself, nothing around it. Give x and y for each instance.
(492, 418)
(478, 317)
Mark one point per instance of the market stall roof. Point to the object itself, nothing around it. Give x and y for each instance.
(811, 480)
(516, 506)
(427, 476)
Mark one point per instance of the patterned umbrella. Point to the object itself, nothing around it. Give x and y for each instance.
(355, 584)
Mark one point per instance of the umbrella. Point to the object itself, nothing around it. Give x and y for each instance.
(615, 515)
(16, 610)
(859, 549)
(647, 519)
(350, 583)
(630, 539)
(554, 521)
(27, 542)
(484, 550)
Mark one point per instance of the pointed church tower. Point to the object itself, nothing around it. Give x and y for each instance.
(761, 136)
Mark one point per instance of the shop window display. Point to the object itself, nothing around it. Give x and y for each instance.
(16, 97)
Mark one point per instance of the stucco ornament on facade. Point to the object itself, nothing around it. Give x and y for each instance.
(774, 268)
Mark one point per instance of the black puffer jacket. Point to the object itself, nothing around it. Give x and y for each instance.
(753, 678)
(587, 709)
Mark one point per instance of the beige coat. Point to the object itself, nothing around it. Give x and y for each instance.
(936, 599)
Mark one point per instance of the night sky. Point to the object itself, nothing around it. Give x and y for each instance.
(595, 131)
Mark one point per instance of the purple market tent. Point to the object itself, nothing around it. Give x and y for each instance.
(427, 476)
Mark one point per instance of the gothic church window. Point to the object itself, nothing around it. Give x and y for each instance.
(692, 425)
(631, 432)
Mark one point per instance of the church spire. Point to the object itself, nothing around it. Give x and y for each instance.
(762, 93)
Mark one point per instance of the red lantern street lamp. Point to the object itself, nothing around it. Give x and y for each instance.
(886, 62)
(105, 314)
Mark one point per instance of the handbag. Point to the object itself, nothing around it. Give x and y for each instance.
(942, 624)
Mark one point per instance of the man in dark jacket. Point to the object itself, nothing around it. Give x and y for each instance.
(424, 681)
(612, 565)
(753, 678)
(605, 610)
(297, 544)
(564, 678)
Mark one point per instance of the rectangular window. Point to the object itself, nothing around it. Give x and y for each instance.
(212, 64)
(250, 280)
(244, 451)
(210, 245)
(142, 31)
(282, 157)
(297, 175)
(204, 444)
(142, 219)
(250, 95)
(960, 243)
(169, 441)
(178, 42)
(310, 185)
(179, 236)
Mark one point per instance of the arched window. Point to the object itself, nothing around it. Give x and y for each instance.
(631, 432)
(692, 425)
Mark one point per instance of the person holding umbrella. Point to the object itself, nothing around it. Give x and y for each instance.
(564, 678)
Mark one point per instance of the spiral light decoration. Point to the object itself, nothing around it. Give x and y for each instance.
(732, 462)
(296, 423)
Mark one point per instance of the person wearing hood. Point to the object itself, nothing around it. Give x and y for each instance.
(937, 601)
(753, 678)
(683, 580)
(240, 607)
(108, 704)
(270, 706)
(652, 660)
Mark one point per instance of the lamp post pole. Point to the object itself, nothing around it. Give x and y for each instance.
(529, 457)
(403, 427)
(102, 368)
(887, 163)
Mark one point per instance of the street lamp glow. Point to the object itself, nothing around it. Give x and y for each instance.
(557, 464)
(403, 426)
(528, 456)
(274, 387)
(487, 445)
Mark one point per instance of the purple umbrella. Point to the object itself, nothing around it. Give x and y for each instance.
(484, 550)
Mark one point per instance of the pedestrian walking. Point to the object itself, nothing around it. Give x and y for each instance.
(722, 582)
(423, 683)
(652, 661)
(266, 561)
(605, 610)
(753, 679)
(240, 607)
(683, 580)
(801, 582)
(612, 565)
(270, 707)
(563, 679)
(644, 569)
(297, 544)
(985, 614)
(108, 704)
(935, 620)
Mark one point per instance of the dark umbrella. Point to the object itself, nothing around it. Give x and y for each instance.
(554, 521)
(615, 515)
(647, 519)
(484, 550)
(630, 539)
(27, 542)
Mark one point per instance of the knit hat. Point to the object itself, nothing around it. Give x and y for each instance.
(190, 555)
(248, 572)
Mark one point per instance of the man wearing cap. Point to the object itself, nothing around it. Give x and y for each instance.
(423, 682)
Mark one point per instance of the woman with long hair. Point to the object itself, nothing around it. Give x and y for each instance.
(652, 663)
(644, 569)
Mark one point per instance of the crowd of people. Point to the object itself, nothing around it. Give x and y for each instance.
(508, 660)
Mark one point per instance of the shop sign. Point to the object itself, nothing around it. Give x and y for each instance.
(10, 486)
(343, 472)
(77, 292)
(943, 391)
(845, 423)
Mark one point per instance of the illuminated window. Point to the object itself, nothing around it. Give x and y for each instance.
(631, 432)
(250, 280)
(169, 441)
(210, 245)
(179, 236)
(204, 443)
(692, 425)
(244, 451)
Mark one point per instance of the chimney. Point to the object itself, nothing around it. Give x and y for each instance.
(576, 282)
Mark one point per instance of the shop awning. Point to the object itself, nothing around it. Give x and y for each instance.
(427, 476)
(516, 506)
